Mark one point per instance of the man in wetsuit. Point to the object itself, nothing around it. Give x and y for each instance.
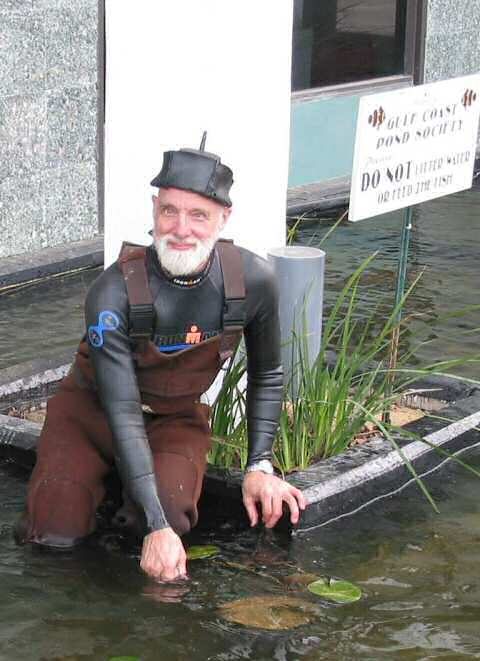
(160, 322)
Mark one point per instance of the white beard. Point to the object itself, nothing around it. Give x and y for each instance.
(184, 262)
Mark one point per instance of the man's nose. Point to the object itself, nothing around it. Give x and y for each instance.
(182, 228)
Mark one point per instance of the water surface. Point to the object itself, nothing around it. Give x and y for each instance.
(418, 572)
(444, 251)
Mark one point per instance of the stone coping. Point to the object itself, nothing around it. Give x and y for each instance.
(33, 380)
(40, 264)
(341, 486)
(335, 488)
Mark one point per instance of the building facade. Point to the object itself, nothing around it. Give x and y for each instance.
(49, 129)
(343, 50)
(52, 99)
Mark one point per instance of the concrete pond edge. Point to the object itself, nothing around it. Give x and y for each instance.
(335, 488)
(40, 264)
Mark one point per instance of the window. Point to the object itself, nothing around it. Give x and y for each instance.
(344, 41)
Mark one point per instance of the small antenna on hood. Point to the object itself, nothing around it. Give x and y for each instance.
(204, 139)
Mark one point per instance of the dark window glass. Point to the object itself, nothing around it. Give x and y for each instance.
(343, 41)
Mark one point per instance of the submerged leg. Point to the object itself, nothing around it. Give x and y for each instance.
(179, 445)
(66, 486)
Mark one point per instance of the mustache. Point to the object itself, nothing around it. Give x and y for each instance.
(166, 238)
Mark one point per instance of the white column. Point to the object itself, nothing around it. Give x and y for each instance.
(175, 69)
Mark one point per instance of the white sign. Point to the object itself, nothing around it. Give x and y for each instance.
(413, 145)
(176, 69)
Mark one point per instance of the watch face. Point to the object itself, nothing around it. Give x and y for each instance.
(264, 465)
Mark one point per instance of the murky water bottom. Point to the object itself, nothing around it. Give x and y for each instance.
(418, 572)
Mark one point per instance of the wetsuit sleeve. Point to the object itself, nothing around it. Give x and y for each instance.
(106, 315)
(264, 367)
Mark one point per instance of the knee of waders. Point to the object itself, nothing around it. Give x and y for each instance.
(133, 523)
(60, 514)
(181, 521)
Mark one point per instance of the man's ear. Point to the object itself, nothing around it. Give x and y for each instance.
(154, 203)
(226, 215)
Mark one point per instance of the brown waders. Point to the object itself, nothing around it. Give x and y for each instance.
(75, 448)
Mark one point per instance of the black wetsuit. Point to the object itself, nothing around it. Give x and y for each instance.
(180, 309)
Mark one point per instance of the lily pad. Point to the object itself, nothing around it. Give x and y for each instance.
(342, 592)
(124, 658)
(202, 552)
(272, 612)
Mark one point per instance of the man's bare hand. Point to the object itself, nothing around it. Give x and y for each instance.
(163, 555)
(271, 492)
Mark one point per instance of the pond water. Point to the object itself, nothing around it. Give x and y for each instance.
(418, 570)
(43, 319)
(443, 250)
(47, 318)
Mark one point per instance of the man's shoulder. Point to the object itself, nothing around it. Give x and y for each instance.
(260, 280)
(108, 286)
(256, 268)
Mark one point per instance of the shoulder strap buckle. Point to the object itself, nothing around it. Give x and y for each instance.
(141, 321)
(141, 310)
(234, 312)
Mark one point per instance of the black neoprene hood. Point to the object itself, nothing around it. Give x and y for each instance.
(198, 171)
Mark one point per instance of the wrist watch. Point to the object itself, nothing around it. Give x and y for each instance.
(264, 465)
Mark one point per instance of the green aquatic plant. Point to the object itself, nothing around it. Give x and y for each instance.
(323, 417)
(296, 222)
(279, 612)
(228, 420)
(202, 552)
(329, 402)
(348, 390)
(332, 589)
(336, 590)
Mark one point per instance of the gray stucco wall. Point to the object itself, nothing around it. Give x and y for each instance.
(452, 45)
(48, 123)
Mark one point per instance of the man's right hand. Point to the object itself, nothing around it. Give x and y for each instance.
(163, 555)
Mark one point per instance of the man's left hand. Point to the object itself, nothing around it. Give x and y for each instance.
(271, 492)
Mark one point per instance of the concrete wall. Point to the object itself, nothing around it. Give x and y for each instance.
(452, 46)
(48, 123)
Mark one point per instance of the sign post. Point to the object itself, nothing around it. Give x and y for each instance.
(401, 280)
(413, 145)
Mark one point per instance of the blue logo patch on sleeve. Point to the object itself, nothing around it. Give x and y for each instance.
(106, 321)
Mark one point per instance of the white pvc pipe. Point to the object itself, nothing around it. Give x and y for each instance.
(300, 275)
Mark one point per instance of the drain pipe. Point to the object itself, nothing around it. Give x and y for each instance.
(300, 276)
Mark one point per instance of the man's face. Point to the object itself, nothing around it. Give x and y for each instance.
(186, 227)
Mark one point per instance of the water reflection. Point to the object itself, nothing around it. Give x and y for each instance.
(418, 572)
